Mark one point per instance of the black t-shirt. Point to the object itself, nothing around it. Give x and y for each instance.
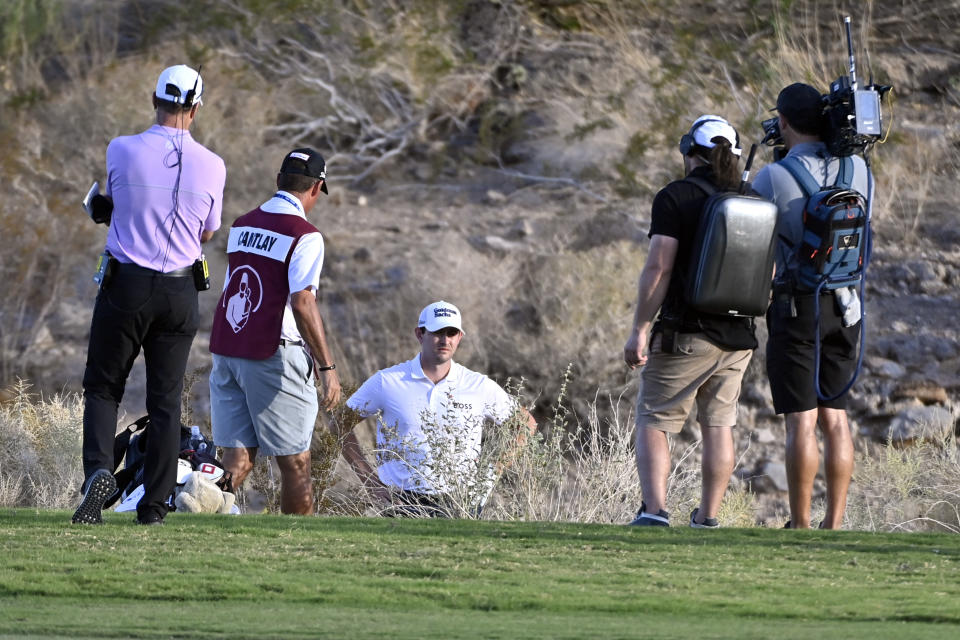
(676, 213)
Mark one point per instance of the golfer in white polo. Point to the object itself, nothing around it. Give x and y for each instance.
(431, 413)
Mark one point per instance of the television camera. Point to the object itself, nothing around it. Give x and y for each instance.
(852, 117)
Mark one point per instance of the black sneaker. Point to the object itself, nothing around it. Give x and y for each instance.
(708, 523)
(659, 519)
(100, 486)
(151, 519)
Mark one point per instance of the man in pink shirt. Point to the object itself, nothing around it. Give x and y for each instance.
(166, 192)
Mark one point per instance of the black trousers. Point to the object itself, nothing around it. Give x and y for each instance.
(413, 504)
(159, 314)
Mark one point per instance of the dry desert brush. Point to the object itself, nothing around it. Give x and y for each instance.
(40, 449)
(907, 487)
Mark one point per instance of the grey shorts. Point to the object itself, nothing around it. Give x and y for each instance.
(268, 404)
(700, 372)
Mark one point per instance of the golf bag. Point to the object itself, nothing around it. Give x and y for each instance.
(131, 445)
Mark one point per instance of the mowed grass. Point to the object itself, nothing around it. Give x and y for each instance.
(282, 577)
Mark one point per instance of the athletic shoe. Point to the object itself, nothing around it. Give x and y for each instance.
(659, 519)
(151, 519)
(708, 523)
(100, 486)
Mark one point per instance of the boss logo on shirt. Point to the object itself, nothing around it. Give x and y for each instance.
(462, 405)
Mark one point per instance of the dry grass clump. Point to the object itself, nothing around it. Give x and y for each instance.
(40, 439)
(572, 472)
(907, 488)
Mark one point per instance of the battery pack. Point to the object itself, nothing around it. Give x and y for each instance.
(201, 274)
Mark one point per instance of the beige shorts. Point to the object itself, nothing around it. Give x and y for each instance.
(699, 371)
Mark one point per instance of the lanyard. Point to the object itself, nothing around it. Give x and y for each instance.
(296, 204)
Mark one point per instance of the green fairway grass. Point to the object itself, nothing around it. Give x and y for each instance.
(284, 577)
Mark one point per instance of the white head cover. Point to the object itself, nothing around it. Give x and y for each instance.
(440, 315)
(712, 127)
(174, 83)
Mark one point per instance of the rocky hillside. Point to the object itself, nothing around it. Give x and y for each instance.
(501, 154)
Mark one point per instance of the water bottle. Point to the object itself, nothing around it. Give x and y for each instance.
(195, 437)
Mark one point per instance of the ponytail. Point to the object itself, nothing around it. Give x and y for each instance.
(726, 173)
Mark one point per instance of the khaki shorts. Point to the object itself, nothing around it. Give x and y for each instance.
(699, 371)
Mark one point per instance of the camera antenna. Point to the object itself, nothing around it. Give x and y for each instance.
(853, 62)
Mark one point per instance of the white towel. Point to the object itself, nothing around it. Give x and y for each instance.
(849, 301)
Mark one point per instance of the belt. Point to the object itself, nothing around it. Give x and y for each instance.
(290, 343)
(130, 267)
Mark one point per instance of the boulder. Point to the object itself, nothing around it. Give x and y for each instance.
(925, 391)
(930, 423)
(885, 368)
(764, 436)
(771, 477)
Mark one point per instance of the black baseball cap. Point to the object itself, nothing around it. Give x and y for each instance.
(306, 162)
(802, 106)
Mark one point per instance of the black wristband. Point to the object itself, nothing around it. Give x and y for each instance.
(330, 367)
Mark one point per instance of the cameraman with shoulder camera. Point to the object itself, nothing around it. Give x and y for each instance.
(791, 319)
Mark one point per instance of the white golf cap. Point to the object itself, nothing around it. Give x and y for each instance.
(440, 315)
(176, 82)
(706, 128)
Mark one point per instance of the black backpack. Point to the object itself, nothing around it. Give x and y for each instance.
(731, 264)
(131, 445)
(836, 230)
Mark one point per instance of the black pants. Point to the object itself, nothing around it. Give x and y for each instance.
(413, 504)
(138, 310)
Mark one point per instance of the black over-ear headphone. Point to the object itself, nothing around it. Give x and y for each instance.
(174, 90)
(192, 94)
(687, 141)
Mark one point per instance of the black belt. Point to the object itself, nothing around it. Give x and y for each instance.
(290, 343)
(130, 267)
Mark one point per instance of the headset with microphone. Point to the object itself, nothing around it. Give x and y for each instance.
(688, 141)
(191, 95)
